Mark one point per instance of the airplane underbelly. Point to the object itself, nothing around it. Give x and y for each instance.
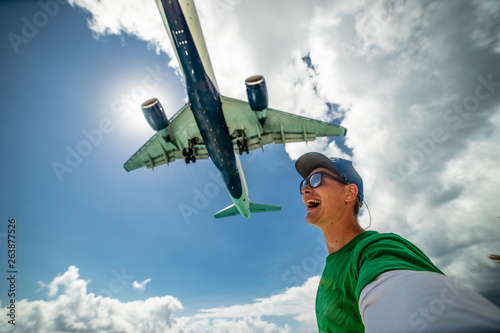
(207, 112)
(221, 152)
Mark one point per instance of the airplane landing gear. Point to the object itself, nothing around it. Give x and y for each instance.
(188, 153)
(242, 146)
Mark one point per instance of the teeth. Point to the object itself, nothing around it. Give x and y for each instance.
(313, 203)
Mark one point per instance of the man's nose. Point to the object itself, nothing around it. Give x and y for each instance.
(306, 189)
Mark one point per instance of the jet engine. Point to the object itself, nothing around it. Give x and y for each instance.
(257, 92)
(257, 96)
(154, 114)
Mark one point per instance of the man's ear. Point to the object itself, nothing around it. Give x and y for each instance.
(351, 192)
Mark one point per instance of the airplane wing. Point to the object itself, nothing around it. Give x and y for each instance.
(166, 145)
(279, 127)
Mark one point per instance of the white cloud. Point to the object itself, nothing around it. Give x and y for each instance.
(405, 75)
(136, 18)
(76, 310)
(141, 285)
(431, 173)
(71, 308)
(296, 301)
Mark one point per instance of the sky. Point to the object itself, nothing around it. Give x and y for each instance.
(416, 84)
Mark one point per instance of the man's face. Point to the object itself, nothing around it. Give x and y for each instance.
(325, 203)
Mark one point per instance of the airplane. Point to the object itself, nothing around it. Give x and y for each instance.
(213, 125)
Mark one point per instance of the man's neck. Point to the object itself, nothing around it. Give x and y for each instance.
(341, 234)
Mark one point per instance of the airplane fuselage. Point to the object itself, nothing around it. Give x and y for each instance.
(183, 27)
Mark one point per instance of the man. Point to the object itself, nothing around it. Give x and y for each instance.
(378, 282)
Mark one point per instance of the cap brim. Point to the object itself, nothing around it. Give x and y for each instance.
(307, 163)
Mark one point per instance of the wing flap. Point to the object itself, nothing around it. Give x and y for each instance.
(280, 127)
(166, 145)
(289, 123)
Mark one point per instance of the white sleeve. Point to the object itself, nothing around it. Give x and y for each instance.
(408, 301)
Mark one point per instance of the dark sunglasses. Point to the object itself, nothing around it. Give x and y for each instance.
(315, 179)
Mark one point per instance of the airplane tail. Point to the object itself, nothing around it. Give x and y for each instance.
(262, 208)
(254, 208)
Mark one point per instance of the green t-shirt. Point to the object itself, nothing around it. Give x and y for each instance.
(355, 265)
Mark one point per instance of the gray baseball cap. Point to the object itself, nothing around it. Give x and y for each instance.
(339, 166)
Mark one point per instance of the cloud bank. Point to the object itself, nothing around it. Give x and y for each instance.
(72, 309)
(416, 83)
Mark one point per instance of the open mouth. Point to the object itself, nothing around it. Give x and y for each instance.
(312, 203)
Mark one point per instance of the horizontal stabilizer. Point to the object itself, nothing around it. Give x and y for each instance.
(261, 208)
(226, 212)
(254, 208)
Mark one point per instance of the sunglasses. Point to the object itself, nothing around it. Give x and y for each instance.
(315, 179)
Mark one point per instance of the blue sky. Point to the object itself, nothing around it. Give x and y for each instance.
(62, 84)
(431, 172)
